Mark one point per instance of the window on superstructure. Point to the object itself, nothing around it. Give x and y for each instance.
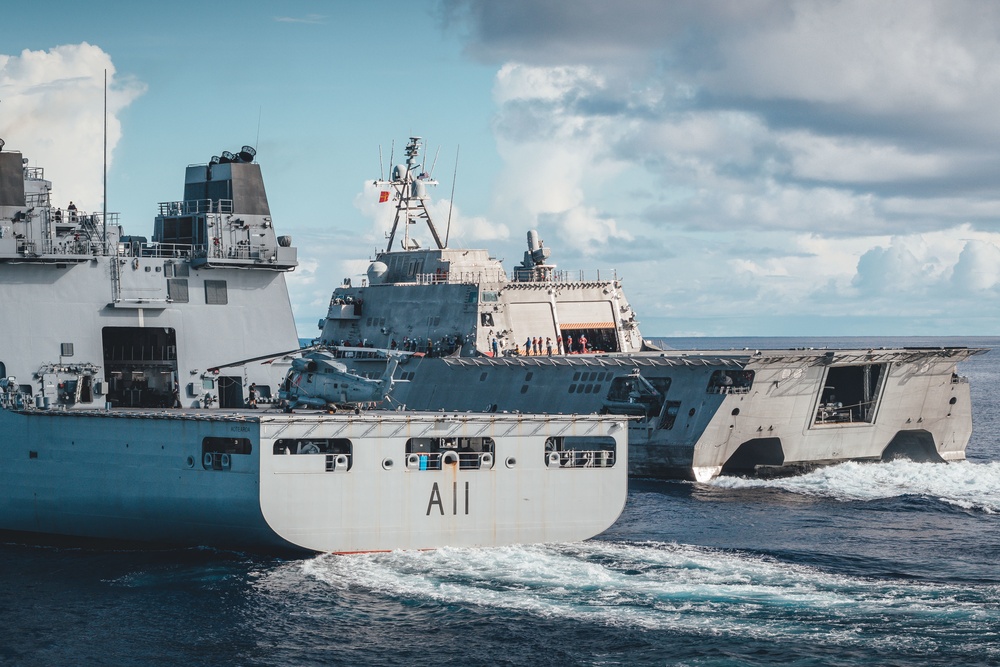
(489, 296)
(177, 290)
(216, 293)
(66, 350)
(178, 230)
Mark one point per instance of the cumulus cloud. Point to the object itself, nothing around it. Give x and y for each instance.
(978, 267)
(53, 102)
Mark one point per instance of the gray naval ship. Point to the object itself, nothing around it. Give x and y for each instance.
(138, 399)
(547, 340)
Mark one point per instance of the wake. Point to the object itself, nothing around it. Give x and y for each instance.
(972, 486)
(667, 587)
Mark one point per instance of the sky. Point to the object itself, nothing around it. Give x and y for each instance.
(748, 168)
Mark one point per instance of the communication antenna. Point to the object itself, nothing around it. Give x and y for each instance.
(256, 142)
(104, 214)
(381, 166)
(451, 204)
(436, 153)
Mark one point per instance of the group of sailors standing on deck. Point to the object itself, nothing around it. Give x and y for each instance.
(536, 346)
(443, 347)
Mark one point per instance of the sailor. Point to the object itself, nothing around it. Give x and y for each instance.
(496, 347)
(548, 346)
(583, 344)
(71, 209)
(253, 396)
(569, 345)
(536, 345)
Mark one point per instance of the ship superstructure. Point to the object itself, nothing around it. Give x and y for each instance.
(138, 398)
(541, 340)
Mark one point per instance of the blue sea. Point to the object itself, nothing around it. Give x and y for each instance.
(879, 564)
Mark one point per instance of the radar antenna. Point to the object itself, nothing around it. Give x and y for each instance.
(410, 185)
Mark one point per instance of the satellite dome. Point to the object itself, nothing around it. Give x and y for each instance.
(376, 272)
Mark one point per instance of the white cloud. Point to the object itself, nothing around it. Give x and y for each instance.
(53, 103)
(792, 157)
(849, 160)
(978, 266)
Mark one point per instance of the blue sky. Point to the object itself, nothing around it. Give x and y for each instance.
(752, 167)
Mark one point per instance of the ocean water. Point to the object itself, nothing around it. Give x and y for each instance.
(884, 564)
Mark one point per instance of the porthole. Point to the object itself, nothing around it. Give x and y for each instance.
(691, 412)
(736, 411)
(511, 462)
(953, 401)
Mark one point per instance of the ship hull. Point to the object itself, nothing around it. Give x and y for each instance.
(164, 477)
(914, 404)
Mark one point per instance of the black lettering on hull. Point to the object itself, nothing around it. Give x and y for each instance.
(435, 499)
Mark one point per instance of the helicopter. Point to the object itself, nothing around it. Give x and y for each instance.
(317, 380)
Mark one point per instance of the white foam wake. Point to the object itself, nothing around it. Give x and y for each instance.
(964, 484)
(660, 586)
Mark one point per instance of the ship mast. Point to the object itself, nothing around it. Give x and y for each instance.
(411, 197)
